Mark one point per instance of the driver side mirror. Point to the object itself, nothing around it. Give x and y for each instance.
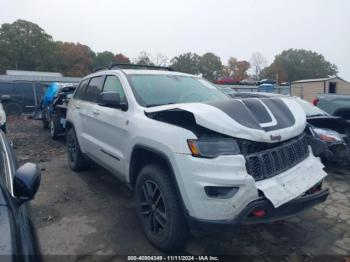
(5, 98)
(112, 99)
(26, 182)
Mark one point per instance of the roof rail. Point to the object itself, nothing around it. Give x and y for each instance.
(98, 68)
(137, 66)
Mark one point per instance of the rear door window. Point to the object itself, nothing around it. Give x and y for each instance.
(94, 89)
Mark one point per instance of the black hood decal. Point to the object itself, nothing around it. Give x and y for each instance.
(266, 114)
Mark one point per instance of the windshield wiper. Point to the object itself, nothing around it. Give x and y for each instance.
(151, 105)
(317, 115)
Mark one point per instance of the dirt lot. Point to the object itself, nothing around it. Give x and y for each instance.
(91, 213)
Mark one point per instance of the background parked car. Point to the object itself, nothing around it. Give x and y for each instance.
(25, 96)
(333, 131)
(53, 107)
(333, 104)
(248, 82)
(18, 239)
(227, 81)
(267, 81)
(3, 127)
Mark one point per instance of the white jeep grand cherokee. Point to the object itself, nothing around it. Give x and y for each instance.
(194, 156)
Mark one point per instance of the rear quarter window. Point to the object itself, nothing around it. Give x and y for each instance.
(80, 93)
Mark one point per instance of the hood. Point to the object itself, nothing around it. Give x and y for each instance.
(256, 119)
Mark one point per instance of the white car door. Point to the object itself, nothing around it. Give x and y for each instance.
(88, 133)
(112, 129)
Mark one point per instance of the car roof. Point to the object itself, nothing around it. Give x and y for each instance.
(140, 72)
(152, 72)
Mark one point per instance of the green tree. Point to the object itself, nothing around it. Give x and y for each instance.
(229, 69)
(144, 59)
(210, 66)
(74, 59)
(241, 69)
(236, 69)
(103, 59)
(24, 45)
(187, 63)
(120, 58)
(296, 64)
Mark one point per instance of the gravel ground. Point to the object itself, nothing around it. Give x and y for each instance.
(92, 213)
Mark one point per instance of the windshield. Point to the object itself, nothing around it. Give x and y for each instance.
(155, 90)
(228, 91)
(310, 109)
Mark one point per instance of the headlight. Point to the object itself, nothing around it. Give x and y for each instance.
(213, 147)
(328, 135)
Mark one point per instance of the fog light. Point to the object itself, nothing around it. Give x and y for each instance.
(220, 192)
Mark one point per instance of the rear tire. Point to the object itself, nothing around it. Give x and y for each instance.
(76, 159)
(45, 124)
(55, 127)
(159, 209)
(45, 118)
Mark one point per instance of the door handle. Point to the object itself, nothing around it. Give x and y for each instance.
(96, 112)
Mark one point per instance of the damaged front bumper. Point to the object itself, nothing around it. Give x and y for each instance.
(262, 211)
(230, 172)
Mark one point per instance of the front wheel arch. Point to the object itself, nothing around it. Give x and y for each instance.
(141, 156)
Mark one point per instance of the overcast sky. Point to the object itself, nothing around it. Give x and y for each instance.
(225, 27)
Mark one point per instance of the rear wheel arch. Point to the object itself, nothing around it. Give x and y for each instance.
(68, 126)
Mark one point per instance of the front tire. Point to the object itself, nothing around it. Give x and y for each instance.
(75, 156)
(159, 209)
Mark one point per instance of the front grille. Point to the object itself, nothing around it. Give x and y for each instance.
(271, 162)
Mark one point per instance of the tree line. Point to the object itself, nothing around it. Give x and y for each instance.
(26, 46)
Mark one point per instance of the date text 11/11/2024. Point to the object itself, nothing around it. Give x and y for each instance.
(173, 258)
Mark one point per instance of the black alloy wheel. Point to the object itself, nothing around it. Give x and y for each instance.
(153, 208)
(72, 148)
(76, 158)
(159, 208)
